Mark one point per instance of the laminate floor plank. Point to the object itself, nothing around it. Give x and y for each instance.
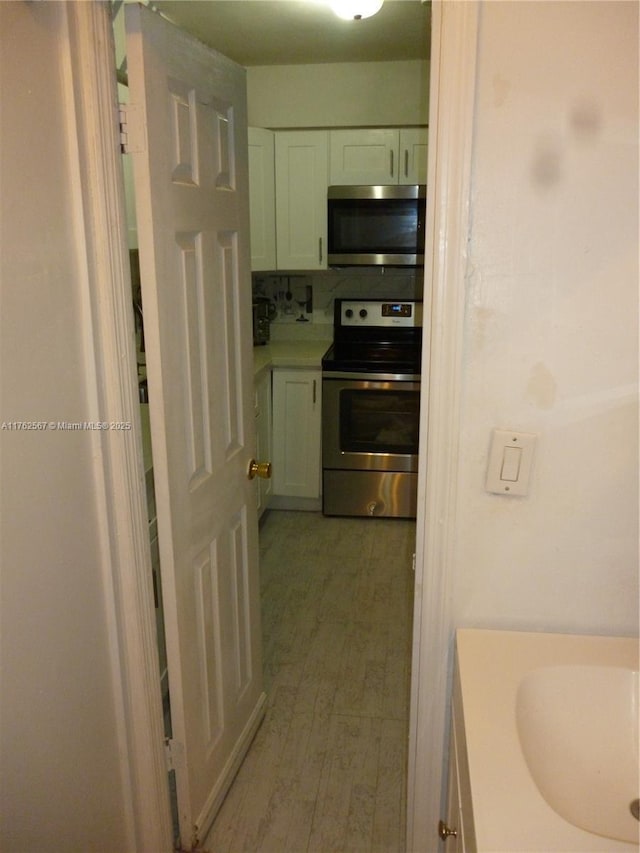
(326, 772)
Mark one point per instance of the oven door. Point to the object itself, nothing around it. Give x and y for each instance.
(370, 424)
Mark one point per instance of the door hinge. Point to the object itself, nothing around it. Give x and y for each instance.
(173, 751)
(133, 137)
(168, 753)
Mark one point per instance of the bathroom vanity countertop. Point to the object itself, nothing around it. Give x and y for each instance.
(509, 812)
(289, 354)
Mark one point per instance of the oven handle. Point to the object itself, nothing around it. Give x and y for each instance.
(371, 377)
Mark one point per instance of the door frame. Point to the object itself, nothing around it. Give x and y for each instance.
(120, 468)
(451, 115)
(121, 492)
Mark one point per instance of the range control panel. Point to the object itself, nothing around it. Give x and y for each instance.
(366, 312)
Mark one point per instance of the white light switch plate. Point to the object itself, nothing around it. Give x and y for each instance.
(510, 462)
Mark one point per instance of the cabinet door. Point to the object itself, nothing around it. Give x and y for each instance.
(296, 433)
(363, 157)
(301, 199)
(414, 148)
(263, 438)
(262, 198)
(454, 843)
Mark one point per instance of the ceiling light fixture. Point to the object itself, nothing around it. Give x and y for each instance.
(355, 10)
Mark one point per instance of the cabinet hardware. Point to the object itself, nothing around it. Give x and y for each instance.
(446, 832)
(319, 250)
(314, 392)
(392, 163)
(406, 162)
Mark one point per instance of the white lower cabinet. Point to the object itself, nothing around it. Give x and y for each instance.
(263, 437)
(296, 432)
(452, 830)
(457, 829)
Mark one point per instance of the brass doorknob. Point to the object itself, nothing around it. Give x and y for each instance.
(445, 832)
(259, 469)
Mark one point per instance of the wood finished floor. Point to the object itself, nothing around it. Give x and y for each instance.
(326, 771)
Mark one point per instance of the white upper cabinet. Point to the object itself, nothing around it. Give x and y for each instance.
(289, 172)
(262, 208)
(414, 150)
(301, 199)
(378, 156)
(363, 157)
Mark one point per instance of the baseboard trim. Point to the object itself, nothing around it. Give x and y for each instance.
(288, 502)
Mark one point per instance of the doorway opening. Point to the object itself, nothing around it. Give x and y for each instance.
(414, 537)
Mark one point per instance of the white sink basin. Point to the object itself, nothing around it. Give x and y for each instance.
(578, 728)
(550, 725)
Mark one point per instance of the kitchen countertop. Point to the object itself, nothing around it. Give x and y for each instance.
(293, 354)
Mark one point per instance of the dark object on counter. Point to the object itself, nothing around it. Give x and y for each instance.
(263, 312)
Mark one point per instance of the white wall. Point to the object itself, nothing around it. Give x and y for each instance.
(61, 786)
(348, 94)
(552, 320)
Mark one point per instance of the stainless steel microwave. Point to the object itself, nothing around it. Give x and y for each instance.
(376, 225)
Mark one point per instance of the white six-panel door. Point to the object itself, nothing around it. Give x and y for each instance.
(191, 186)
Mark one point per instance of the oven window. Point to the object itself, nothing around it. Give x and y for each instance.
(379, 421)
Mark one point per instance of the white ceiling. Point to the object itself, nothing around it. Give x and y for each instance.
(293, 32)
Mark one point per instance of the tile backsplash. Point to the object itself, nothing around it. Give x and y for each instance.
(307, 300)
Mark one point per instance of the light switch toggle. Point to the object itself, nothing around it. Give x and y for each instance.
(510, 461)
(511, 458)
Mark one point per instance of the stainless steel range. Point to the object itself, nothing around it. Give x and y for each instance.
(371, 409)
